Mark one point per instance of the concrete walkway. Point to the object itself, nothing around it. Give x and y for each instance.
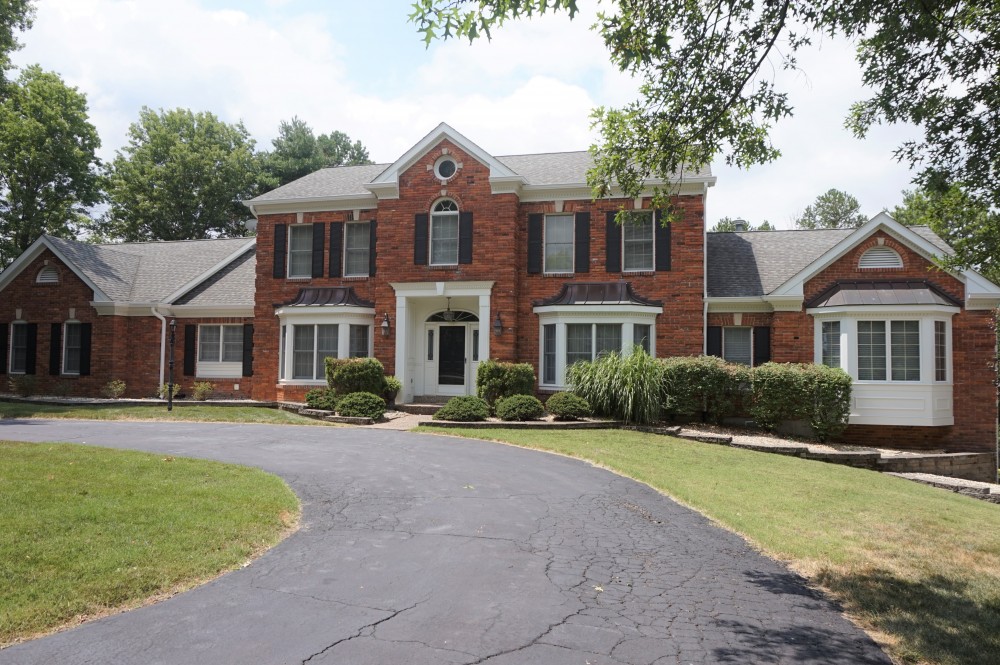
(423, 549)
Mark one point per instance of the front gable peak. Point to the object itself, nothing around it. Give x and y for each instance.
(386, 185)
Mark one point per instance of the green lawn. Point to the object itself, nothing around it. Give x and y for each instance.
(85, 531)
(918, 567)
(200, 413)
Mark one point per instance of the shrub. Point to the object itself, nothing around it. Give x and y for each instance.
(361, 405)
(323, 399)
(818, 394)
(162, 392)
(202, 389)
(495, 380)
(355, 375)
(519, 407)
(62, 389)
(113, 389)
(465, 409)
(703, 384)
(392, 388)
(22, 384)
(624, 387)
(567, 406)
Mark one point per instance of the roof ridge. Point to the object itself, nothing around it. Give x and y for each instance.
(538, 154)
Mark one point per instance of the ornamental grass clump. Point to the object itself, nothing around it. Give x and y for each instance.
(567, 406)
(464, 409)
(201, 390)
(626, 388)
(519, 407)
(361, 405)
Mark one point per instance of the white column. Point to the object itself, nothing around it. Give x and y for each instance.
(485, 329)
(402, 332)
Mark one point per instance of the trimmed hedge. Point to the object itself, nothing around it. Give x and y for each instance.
(361, 405)
(627, 388)
(519, 407)
(567, 406)
(321, 398)
(496, 380)
(703, 384)
(355, 375)
(464, 409)
(818, 394)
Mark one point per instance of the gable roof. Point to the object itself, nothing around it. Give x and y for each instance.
(148, 272)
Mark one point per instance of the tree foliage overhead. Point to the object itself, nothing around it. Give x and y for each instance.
(833, 209)
(15, 16)
(728, 225)
(707, 92)
(182, 176)
(48, 167)
(298, 152)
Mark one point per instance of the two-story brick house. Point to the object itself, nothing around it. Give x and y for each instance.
(451, 255)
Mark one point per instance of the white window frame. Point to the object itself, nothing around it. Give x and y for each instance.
(572, 244)
(440, 215)
(10, 348)
(343, 316)
(64, 356)
(219, 368)
(303, 229)
(367, 248)
(628, 316)
(926, 402)
(651, 218)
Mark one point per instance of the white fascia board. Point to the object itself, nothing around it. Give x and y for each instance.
(880, 221)
(882, 311)
(211, 271)
(127, 308)
(32, 253)
(384, 191)
(314, 204)
(585, 310)
(432, 289)
(507, 185)
(785, 303)
(978, 301)
(734, 304)
(212, 311)
(442, 131)
(307, 311)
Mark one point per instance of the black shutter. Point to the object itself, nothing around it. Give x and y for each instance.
(372, 253)
(761, 345)
(420, 239)
(661, 239)
(714, 338)
(581, 262)
(189, 349)
(319, 232)
(535, 243)
(29, 365)
(465, 237)
(4, 328)
(280, 248)
(55, 349)
(613, 241)
(247, 349)
(336, 248)
(85, 344)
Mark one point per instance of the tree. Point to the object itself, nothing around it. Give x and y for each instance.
(182, 176)
(964, 222)
(728, 225)
(707, 89)
(48, 167)
(298, 152)
(832, 210)
(15, 16)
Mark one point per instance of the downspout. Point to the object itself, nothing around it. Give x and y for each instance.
(163, 342)
(704, 272)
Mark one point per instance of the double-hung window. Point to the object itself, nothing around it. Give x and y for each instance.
(559, 230)
(831, 343)
(444, 233)
(357, 240)
(737, 345)
(637, 242)
(359, 341)
(587, 341)
(219, 344)
(311, 345)
(300, 250)
(72, 348)
(18, 348)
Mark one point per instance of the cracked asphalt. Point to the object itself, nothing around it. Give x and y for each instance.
(424, 549)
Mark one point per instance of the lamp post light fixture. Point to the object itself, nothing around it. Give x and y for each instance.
(386, 326)
(170, 380)
(497, 325)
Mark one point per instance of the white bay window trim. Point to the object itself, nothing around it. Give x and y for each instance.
(925, 402)
(340, 315)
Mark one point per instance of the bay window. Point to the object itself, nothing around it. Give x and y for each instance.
(308, 337)
(571, 339)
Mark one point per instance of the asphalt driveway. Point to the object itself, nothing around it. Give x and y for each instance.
(423, 549)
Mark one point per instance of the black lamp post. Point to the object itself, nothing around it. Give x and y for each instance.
(170, 384)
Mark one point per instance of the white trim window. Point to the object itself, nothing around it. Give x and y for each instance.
(737, 344)
(220, 351)
(72, 347)
(18, 348)
(310, 335)
(359, 341)
(357, 241)
(637, 243)
(444, 233)
(558, 239)
(311, 346)
(300, 238)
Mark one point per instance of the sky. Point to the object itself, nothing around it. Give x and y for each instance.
(361, 68)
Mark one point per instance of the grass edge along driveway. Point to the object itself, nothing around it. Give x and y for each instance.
(191, 413)
(917, 567)
(88, 531)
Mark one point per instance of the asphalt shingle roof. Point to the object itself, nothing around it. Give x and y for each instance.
(233, 285)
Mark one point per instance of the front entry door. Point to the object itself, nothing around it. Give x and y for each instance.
(451, 359)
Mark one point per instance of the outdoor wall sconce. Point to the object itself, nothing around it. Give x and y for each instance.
(386, 326)
(497, 325)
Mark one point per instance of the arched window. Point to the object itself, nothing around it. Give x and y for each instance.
(881, 257)
(444, 233)
(47, 275)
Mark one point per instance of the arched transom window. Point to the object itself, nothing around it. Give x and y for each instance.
(881, 257)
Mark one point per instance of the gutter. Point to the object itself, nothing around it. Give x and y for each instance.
(163, 341)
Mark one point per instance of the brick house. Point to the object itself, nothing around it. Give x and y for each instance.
(450, 255)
